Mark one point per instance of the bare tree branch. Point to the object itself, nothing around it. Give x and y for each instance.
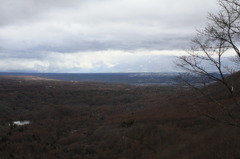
(220, 36)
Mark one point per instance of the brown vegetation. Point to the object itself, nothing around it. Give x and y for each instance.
(105, 121)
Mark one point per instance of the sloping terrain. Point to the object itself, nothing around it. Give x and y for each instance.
(105, 121)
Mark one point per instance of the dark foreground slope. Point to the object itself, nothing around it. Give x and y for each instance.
(106, 121)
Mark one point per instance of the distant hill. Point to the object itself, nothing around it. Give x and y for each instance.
(218, 89)
(148, 78)
(127, 78)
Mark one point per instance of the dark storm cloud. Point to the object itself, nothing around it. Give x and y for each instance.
(164, 43)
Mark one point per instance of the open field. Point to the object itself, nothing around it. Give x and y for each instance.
(105, 121)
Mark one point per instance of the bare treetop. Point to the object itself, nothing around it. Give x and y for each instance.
(221, 35)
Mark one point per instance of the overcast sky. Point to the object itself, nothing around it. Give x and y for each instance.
(97, 35)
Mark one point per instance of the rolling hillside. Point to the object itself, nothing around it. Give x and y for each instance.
(90, 120)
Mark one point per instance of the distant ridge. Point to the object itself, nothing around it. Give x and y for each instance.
(30, 78)
(125, 78)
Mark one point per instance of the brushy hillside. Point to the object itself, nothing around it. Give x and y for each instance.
(105, 121)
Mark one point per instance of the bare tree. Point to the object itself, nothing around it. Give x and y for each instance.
(221, 35)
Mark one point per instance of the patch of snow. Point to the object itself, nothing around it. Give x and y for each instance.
(21, 123)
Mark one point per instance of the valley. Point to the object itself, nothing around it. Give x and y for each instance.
(92, 120)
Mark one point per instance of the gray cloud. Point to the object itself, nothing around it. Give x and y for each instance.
(97, 25)
(32, 29)
(14, 12)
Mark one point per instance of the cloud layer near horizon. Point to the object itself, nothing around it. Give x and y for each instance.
(33, 30)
